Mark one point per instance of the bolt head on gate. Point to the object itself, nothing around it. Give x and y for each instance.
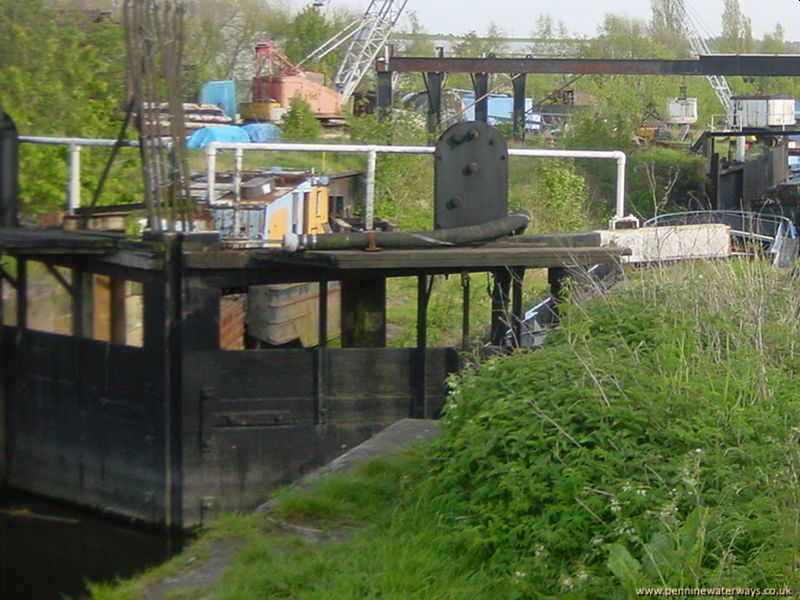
(470, 176)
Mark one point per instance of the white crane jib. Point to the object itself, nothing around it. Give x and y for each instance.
(699, 47)
(368, 35)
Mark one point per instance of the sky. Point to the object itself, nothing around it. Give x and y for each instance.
(517, 18)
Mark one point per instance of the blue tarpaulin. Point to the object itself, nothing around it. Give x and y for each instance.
(226, 133)
(263, 132)
(501, 109)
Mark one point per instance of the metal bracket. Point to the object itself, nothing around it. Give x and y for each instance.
(629, 222)
(372, 241)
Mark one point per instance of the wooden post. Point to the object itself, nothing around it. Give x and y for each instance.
(22, 295)
(321, 408)
(364, 313)
(82, 304)
(117, 310)
(420, 409)
(434, 86)
(384, 94)
(481, 97)
(518, 83)
(500, 294)
(3, 367)
(465, 305)
(557, 278)
(516, 303)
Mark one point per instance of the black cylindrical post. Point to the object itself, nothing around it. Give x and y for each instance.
(9, 172)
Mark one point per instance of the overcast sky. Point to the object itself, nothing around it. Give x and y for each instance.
(518, 17)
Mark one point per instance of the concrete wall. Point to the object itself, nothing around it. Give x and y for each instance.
(681, 242)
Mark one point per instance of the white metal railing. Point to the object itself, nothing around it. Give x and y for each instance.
(372, 152)
(74, 159)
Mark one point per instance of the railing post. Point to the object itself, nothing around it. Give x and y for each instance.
(74, 190)
(621, 160)
(238, 154)
(369, 212)
(211, 171)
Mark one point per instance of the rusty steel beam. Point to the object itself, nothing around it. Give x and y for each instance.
(749, 64)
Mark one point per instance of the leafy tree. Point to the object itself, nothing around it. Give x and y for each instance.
(666, 29)
(299, 123)
(551, 38)
(308, 31)
(620, 37)
(415, 38)
(61, 74)
(474, 45)
(775, 42)
(221, 36)
(737, 31)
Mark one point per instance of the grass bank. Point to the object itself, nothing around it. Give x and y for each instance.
(652, 442)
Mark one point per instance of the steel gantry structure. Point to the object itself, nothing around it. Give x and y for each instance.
(786, 65)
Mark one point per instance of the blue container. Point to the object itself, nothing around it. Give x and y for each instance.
(222, 94)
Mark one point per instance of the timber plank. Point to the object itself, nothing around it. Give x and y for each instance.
(412, 260)
(21, 240)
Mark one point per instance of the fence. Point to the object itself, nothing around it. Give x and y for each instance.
(371, 152)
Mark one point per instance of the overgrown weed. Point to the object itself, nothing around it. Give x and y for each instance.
(652, 438)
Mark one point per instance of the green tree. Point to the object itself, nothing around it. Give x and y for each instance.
(308, 31)
(620, 37)
(775, 42)
(415, 39)
(221, 36)
(551, 38)
(299, 123)
(474, 45)
(737, 32)
(61, 74)
(666, 29)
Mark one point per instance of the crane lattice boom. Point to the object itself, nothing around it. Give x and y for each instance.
(699, 46)
(366, 43)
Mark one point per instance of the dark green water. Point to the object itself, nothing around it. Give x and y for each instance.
(48, 550)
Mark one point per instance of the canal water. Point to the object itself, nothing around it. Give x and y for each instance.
(48, 550)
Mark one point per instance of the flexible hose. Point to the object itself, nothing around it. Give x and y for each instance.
(508, 225)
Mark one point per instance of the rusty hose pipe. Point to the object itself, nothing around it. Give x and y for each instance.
(514, 223)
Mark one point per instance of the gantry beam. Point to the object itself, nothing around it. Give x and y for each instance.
(784, 65)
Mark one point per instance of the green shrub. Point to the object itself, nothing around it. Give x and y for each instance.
(299, 123)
